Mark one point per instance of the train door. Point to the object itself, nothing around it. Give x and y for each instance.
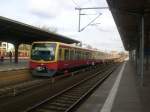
(60, 54)
(66, 57)
(60, 58)
(72, 62)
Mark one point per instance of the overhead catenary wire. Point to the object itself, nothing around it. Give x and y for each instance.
(81, 14)
(75, 3)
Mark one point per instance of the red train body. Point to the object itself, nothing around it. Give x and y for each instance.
(48, 58)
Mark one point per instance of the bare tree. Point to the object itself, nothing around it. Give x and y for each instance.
(89, 46)
(48, 29)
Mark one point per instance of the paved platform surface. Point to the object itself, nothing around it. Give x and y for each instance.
(119, 93)
(128, 95)
(6, 65)
(145, 91)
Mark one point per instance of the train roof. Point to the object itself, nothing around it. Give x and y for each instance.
(78, 47)
(69, 45)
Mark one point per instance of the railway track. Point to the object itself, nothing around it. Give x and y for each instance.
(19, 88)
(67, 100)
(9, 78)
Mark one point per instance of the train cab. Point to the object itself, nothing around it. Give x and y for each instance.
(43, 58)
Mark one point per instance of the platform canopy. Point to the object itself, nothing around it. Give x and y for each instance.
(17, 32)
(127, 15)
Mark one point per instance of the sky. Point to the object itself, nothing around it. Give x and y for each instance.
(61, 14)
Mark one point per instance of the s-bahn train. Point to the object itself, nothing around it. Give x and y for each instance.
(49, 58)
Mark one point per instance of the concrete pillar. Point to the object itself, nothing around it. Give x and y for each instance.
(131, 55)
(147, 52)
(137, 54)
(147, 62)
(142, 51)
(16, 45)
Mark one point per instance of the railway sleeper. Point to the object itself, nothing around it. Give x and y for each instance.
(62, 101)
(54, 108)
(71, 99)
(43, 110)
(90, 84)
(85, 88)
(74, 94)
(70, 96)
(87, 85)
(60, 104)
(66, 99)
(77, 90)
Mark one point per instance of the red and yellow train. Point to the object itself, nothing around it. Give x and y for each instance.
(49, 58)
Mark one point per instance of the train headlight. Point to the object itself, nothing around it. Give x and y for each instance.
(39, 68)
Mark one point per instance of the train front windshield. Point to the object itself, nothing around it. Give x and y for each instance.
(43, 51)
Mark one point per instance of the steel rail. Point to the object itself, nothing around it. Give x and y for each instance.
(54, 101)
(25, 86)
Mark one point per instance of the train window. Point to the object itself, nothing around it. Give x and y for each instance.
(79, 56)
(43, 51)
(71, 54)
(90, 55)
(82, 55)
(86, 55)
(75, 57)
(66, 54)
(93, 55)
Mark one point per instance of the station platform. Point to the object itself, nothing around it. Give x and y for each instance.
(121, 92)
(6, 65)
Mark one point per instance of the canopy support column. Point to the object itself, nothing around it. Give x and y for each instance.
(142, 51)
(16, 45)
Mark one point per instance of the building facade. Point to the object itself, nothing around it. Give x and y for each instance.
(24, 50)
(3, 48)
